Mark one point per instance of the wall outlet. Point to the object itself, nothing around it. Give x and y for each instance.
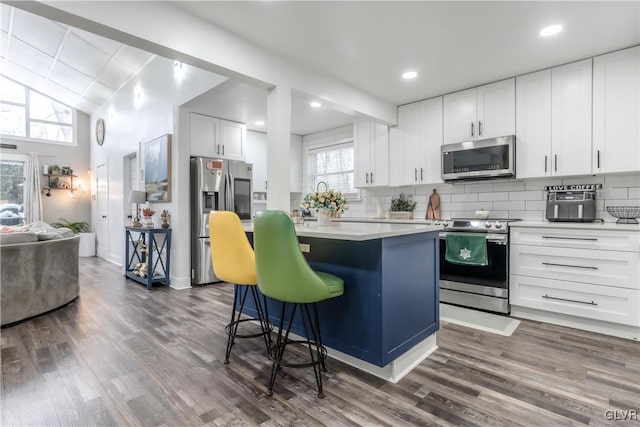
(305, 247)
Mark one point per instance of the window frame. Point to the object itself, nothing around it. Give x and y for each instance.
(28, 119)
(15, 157)
(312, 151)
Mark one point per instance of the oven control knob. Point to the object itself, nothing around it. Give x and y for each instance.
(487, 224)
(445, 223)
(436, 223)
(498, 225)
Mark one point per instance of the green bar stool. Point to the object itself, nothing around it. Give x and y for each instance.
(234, 262)
(284, 275)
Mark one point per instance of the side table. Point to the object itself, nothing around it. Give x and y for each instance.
(151, 247)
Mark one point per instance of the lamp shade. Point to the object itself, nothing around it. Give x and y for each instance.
(137, 197)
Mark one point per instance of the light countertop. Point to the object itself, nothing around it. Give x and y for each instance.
(356, 231)
(577, 225)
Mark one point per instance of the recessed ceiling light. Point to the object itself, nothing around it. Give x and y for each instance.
(551, 30)
(315, 104)
(409, 75)
(259, 123)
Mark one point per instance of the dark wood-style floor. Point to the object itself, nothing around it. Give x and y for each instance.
(121, 355)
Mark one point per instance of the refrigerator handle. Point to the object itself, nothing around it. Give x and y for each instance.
(227, 191)
(232, 196)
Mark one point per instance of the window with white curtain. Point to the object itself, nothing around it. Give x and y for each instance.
(26, 113)
(334, 165)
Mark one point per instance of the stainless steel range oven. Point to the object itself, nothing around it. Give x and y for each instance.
(480, 287)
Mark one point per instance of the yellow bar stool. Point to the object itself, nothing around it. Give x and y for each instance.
(233, 261)
(285, 275)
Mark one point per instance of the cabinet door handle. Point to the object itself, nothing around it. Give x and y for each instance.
(372, 177)
(598, 159)
(587, 267)
(591, 239)
(555, 166)
(421, 174)
(366, 177)
(223, 150)
(104, 217)
(569, 300)
(218, 149)
(472, 128)
(479, 128)
(415, 174)
(265, 185)
(545, 164)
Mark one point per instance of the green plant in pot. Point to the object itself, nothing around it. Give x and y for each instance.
(76, 226)
(402, 207)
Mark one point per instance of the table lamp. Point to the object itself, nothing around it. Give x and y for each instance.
(137, 197)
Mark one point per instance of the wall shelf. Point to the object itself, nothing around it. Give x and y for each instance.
(59, 182)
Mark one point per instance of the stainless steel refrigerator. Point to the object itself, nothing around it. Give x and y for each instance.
(216, 184)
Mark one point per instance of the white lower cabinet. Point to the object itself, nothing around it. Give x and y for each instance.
(583, 278)
(606, 303)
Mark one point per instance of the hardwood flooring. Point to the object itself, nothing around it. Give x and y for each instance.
(121, 355)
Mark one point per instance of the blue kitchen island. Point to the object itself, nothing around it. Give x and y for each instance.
(385, 323)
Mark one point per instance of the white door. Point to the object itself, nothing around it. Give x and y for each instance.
(102, 209)
(533, 125)
(496, 109)
(616, 109)
(460, 116)
(571, 118)
(232, 139)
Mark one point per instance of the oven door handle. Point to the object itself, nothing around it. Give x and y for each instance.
(500, 239)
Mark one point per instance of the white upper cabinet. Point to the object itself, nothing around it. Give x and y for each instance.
(414, 149)
(204, 132)
(371, 142)
(533, 125)
(479, 113)
(616, 111)
(571, 118)
(233, 139)
(213, 137)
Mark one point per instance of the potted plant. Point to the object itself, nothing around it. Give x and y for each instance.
(402, 207)
(87, 238)
(148, 213)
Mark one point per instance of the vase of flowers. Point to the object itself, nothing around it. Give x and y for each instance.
(327, 203)
(147, 213)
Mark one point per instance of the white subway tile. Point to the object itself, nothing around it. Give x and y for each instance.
(453, 206)
(499, 215)
(509, 186)
(493, 196)
(444, 198)
(516, 205)
(624, 180)
(478, 188)
(539, 184)
(536, 205)
(583, 180)
(527, 215)
(464, 197)
(634, 193)
(450, 188)
(615, 193)
(527, 195)
(476, 206)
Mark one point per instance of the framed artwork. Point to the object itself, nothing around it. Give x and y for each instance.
(157, 169)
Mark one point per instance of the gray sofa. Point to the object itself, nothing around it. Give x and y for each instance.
(38, 273)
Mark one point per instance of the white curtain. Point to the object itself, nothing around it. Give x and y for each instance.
(32, 196)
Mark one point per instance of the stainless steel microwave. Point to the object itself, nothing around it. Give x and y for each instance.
(487, 158)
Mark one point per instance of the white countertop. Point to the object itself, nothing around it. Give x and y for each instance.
(577, 225)
(356, 231)
(386, 220)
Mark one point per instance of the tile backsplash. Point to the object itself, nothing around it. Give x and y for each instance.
(521, 199)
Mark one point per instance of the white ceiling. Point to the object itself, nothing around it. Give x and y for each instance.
(366, 44)
(453, 45)
(73, 66)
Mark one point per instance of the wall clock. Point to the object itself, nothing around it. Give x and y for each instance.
(100, 131)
